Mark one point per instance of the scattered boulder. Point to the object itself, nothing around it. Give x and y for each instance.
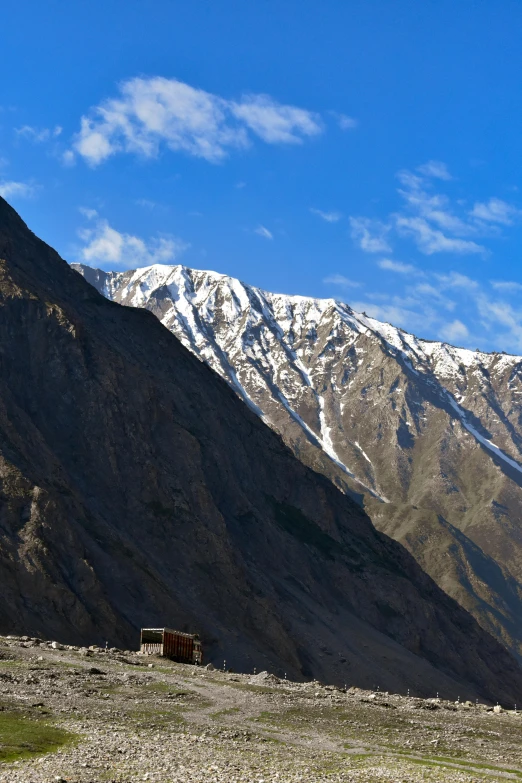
(264, 678)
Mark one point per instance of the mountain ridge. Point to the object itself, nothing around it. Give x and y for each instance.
(397, 422)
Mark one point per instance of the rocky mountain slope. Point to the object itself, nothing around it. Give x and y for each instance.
(137, 489)
(429, 436)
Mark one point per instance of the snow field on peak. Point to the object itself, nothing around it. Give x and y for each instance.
(275, 347)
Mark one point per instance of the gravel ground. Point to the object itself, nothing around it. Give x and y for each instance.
(138, 718)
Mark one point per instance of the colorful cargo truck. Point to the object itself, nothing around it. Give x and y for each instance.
(179, 646)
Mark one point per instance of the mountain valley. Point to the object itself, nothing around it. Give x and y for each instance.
(138, 490)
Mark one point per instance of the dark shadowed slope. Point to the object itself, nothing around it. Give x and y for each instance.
(138, 489)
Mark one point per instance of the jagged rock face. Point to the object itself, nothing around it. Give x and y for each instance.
(137, 489)
(427, 435)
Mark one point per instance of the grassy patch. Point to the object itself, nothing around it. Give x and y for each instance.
(22, 736)
(163, 687)
(229, 711)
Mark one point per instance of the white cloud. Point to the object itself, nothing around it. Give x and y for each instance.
(342, 281)
(507, 286)
(105, 245)
(10, 189)
(370, 234)
(330, 217)
(424, 306)
(38, 135)
(153, 112)
(346, 122)
(427, 290)
(68, 158)
(430, 240)
(454, 331)
(457, 280)
(396, 314)
(434, 207)
(263, 232)
(274, 122)
(504, 315)
(496, 211)
(90, 214)
(436, 169)
(397, 266)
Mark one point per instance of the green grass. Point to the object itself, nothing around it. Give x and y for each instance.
(229, 711)
(164, 687)
(22, 736)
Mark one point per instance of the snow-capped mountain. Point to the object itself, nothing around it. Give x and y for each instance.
(429, 435)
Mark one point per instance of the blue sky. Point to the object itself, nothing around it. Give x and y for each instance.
(368, 151)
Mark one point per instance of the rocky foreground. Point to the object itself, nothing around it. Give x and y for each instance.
(86, 715)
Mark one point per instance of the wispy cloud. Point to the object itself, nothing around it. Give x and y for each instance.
(428, 292)
(342, 281)
(146, 203)
(329, 217)
(345, 122)
(38, 135)
(436, 169)
(263, 232)
(88, 213)
(155, 112)
(496, 211)
(506, 286)
(483, 319)
(433, 207)
(499, 315)
(397, 314)
(454, 332)
(397, 266)
(457, 280)
(274, 122)
(431, 240)
(11, 189)
(370, 234)
(434, 222)
(104, 245)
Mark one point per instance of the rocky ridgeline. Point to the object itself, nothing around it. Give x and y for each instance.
(34, 641)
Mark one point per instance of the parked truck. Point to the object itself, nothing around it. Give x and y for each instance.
(176, 645)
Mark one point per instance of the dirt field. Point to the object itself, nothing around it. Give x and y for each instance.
(78, 716)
